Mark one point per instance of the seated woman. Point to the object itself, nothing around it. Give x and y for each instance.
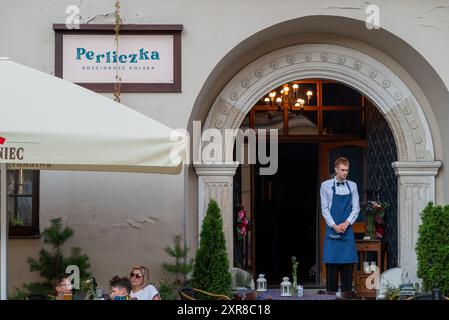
(141, 289)
(61, 286)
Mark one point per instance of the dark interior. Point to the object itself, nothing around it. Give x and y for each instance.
(286, 216)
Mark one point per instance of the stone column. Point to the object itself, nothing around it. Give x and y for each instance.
(216, 182)
(416, 188)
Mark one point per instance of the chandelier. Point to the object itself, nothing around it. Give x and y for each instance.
(290, 97)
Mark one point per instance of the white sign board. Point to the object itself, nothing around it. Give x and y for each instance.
(147, 58)
(140, 58)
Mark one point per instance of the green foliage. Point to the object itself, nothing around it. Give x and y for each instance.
(211, 269)
(392, 293)
(180, 268)
(43, 288)
(167, 290)
(294, 275)
(16, 221)
(19, 294)
(52, 263)
(432, 248)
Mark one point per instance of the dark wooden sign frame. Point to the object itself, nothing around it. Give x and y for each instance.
(129, 29)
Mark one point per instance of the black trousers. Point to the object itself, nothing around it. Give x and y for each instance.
(345, 271)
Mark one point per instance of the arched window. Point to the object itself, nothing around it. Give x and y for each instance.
(306, 108)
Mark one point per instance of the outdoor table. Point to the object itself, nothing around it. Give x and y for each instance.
(275, 294)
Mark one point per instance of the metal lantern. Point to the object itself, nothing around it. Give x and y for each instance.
(261, 283)
(286, 287)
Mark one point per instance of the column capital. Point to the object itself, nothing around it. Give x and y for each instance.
(416, 168)
(225, 169)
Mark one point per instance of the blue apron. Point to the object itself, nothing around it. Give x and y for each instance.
(340, 247)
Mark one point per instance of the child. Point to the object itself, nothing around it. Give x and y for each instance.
(120, 288)
(61, 286)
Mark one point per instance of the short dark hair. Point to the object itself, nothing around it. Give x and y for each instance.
(122, 283)
(341, 160)
(56, 281)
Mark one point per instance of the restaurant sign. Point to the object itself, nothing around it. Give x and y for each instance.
(147, 58)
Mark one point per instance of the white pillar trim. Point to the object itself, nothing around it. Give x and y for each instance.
(216, 169)
(416, 188)
(215, 181)
(424, 168)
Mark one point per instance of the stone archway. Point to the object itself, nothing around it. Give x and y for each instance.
(416, 167)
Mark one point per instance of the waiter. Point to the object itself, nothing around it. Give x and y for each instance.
(340, 208)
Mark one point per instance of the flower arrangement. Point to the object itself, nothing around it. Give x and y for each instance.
(90, 286)
(242, 223)
(374, 212)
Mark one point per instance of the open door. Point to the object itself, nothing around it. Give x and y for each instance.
(355, 151)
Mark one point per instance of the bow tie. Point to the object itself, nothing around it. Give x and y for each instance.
(340, 184)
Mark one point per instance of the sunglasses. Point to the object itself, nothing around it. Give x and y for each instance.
(135, 275)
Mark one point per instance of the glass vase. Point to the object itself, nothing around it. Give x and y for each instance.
(370, 226)
(295, 287)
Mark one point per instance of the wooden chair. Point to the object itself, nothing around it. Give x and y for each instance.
(186, 294)
(195, 294)
(242, 279)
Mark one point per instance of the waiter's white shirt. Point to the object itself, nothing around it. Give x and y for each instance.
(326, 199)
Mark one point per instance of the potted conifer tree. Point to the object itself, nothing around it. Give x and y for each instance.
(211, 269)
(432, 248)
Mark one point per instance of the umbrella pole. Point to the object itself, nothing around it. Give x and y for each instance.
(3, 235)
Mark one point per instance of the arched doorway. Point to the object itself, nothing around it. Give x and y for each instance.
(284, 207)
(416, 167)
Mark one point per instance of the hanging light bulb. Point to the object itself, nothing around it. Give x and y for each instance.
(309, 96)
(288, 96)
(295, 90)
(279, 101)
